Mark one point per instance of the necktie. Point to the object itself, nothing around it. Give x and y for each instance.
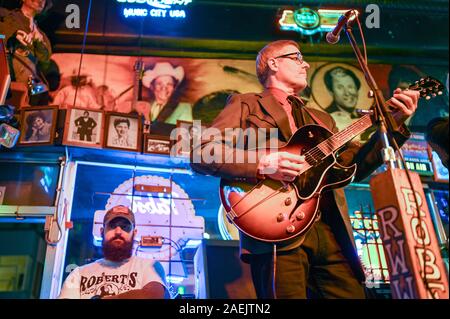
(155, 111)
(297, 110)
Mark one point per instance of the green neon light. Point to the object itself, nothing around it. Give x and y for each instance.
(307, 21)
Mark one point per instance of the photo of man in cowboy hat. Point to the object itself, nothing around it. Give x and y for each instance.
(164, 104)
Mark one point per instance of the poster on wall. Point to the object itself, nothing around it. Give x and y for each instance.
(165, 90)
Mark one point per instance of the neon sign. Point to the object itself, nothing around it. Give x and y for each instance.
(155, 8)
(307, 21)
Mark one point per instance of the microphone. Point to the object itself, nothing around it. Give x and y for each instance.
(333, 36)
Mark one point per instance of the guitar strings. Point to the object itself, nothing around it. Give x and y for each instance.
(329, 146)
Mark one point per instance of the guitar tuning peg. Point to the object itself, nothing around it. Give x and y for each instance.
(440, 93)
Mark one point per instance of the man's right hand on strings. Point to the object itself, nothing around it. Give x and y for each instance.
(281, 166)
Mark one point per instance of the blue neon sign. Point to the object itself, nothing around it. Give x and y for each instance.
(156, 8)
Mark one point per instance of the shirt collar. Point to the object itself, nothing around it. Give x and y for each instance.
(281, 96)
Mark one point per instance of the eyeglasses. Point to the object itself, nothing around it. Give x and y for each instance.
(298, 58)
(123, 223)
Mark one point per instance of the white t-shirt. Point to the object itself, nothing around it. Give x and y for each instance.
(105, 278)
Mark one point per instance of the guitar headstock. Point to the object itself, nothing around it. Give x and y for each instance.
(428, 87)
(139, 68)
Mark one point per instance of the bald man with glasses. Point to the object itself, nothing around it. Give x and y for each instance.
(322, 263)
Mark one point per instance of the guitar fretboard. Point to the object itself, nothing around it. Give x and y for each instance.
(333, 143)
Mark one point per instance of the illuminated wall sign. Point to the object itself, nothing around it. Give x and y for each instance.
(155, 8)
(307, 21)
(415, 151)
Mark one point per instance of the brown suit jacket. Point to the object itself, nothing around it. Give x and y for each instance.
(262, 110)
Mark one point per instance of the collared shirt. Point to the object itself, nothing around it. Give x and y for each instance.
(281, 97)
(156, 108)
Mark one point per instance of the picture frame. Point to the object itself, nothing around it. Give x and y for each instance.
(38, 125)
(123, 132)
(84, 127)
(157, 144)
(183, 138)
(440, 172)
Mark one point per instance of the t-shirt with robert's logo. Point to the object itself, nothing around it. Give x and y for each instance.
(104, 278)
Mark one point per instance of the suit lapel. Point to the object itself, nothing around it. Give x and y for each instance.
(273, 107)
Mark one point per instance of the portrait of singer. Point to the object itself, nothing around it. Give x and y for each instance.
(343, 85)
(85, 126)
(123, 133)
(38, 126)
(162, 84)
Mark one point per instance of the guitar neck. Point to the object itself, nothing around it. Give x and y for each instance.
(333, 143)
(428, 88)
(135, 90)
(137, 77)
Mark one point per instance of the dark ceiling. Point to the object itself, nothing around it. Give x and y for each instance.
(410, 31)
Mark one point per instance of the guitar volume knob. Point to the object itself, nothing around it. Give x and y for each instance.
(290, 229)
(280, 217)
(288, 201)
(300, 216)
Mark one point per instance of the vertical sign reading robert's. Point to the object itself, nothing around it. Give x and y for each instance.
(162, 9)
(416, 267)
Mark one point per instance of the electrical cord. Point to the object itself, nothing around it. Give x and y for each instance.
(274, 288)
(83, 47)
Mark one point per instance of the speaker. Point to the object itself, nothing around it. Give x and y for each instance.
(219, 272)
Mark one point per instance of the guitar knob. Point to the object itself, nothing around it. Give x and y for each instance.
(300, 216)
(288, 201)
(280, 217)
(290, 228)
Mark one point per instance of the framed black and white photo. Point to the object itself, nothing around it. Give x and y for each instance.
(38, 125)
(157, 144)
(123, 132)
(84, 128)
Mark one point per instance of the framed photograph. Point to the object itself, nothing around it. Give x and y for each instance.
(123, 132)
(183, 143)
(157, 144)
(84, 127)
(441, 174)
(38, 125)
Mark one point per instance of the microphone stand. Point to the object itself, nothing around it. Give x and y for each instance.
(383, 117)
(387, 192)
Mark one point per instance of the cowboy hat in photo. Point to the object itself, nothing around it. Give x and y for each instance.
(162, 68)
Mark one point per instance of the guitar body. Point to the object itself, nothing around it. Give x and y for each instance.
(273, 211)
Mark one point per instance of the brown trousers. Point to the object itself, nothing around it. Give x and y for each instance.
(316, 269)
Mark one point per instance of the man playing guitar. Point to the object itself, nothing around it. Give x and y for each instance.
(322, 262)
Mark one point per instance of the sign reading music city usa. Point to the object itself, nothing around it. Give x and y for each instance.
(155, 8)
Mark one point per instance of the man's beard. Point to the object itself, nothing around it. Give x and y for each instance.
(116, 251)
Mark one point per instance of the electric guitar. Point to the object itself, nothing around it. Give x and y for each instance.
(273, 211)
